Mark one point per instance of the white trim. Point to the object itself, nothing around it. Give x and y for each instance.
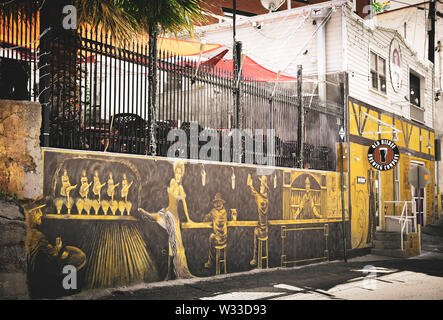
(371, 49)
(422, 98)
(423, 209)
(380, 206)
(380, 124)
(344, 36)
(272, 16)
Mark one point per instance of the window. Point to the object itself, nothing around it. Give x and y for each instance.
(416, 86)
(414, 89)
(378, 73)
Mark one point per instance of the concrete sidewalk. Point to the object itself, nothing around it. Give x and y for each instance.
(419, 277)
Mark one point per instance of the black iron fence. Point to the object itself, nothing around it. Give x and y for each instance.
(19, 34)
(95, 93)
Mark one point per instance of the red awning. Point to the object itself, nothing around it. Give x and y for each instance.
(253, 70)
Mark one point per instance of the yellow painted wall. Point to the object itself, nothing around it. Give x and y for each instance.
(410, 142)
(359, 196)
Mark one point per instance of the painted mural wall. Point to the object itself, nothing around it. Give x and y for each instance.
(416, 143)
(123, 219)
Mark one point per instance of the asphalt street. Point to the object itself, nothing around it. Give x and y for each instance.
(367, 277)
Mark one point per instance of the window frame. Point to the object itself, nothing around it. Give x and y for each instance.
(381, 78)
(413, 73)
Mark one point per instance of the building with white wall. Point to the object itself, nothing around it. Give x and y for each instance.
(389, 90)
(410, 18)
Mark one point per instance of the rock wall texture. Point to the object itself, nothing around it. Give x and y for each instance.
(20, 154)
(13, 283)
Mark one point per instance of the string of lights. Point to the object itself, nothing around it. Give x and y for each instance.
(3, 4)
(290, 32)
(324, 21)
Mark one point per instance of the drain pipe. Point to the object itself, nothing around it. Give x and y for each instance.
(319, 16)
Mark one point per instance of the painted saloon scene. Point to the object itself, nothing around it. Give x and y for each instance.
(221, 150)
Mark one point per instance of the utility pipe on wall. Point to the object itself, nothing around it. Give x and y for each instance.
(321, 62)
(321, 17)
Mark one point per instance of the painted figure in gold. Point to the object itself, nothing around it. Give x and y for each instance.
(176, 192)
(66, 189)
(96, 188)
(111, 187)
(65, 183)
(169, 220)
(84, 185)
(46, 260)
(125, 187)
(219, 219)
(307, 208)
(262, 201)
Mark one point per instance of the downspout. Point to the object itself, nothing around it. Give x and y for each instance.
(321, 17)
(344, 40)
(321, 62)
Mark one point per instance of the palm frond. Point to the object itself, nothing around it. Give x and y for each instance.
(107, 16)
(168, 15)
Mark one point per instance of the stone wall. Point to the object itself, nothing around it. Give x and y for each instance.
(20, 154)
(13, 282)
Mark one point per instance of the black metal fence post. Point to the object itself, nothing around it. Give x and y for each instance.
(300, 138)
(237, 90)
(44, 66)
(152, 91)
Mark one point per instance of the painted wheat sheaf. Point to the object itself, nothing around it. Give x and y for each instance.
(118, 256)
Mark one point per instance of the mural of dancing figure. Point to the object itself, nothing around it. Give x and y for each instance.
(65, 183)
(219, 219)
(169, 220)
(84, 188)
(96, 188)
(111, 187)
(125, 188)
(262, 201)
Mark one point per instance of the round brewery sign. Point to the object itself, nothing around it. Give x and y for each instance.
(395, 64)
(383, 154)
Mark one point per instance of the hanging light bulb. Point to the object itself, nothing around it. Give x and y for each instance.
(203, 176)
(233, 179)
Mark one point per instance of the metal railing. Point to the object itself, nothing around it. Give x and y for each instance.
(96, 94)
(404, 218)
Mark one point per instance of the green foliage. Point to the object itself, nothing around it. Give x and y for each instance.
(381, 6)
(124, 18)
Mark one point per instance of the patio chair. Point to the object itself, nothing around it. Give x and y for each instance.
(131, 132)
